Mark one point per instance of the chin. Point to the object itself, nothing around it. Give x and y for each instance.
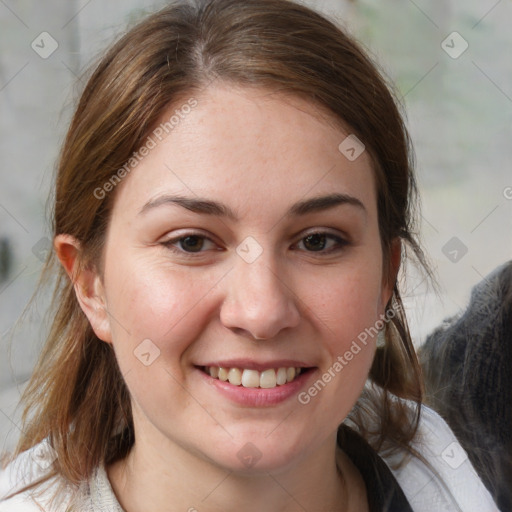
(257, 454)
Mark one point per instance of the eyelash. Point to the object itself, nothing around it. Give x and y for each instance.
(340, 243)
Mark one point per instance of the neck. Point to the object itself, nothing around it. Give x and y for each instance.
(155, 475)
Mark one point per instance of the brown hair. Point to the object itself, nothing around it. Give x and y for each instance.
(76, 396)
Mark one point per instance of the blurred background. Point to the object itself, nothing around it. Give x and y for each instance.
(452, 69)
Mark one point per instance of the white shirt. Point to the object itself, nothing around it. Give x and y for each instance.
(457, 488)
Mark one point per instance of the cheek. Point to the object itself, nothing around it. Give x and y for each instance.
(158, 316)
(346, 302)
(169, 307)
(346, 308)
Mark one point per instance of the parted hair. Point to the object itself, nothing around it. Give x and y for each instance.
(76, 396)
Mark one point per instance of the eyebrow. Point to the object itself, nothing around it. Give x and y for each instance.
(208, 207)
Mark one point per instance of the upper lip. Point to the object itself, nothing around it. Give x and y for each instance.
(250, 364)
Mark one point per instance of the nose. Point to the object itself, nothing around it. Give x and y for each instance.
(258, 302)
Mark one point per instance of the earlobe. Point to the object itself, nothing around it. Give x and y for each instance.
(87, 283)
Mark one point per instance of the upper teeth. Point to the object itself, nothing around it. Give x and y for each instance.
(252, 378)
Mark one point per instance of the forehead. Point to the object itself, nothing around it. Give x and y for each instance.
(247, 146)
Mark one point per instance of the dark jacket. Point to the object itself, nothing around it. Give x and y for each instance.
(468, 372)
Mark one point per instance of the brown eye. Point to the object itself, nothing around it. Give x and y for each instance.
(191, 243)
(315, 242)
(323, 243)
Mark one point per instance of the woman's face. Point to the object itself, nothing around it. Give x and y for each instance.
(245, 240)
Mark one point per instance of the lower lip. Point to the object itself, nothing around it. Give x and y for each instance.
(258, 397)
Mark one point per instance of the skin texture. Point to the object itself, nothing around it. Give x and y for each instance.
(257, 153)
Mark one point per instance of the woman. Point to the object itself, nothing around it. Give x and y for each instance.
(231, 204)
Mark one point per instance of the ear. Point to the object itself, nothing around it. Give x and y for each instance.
(390, 273)
(88, 286)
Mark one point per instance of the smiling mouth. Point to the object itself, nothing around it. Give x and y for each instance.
(249, 378)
